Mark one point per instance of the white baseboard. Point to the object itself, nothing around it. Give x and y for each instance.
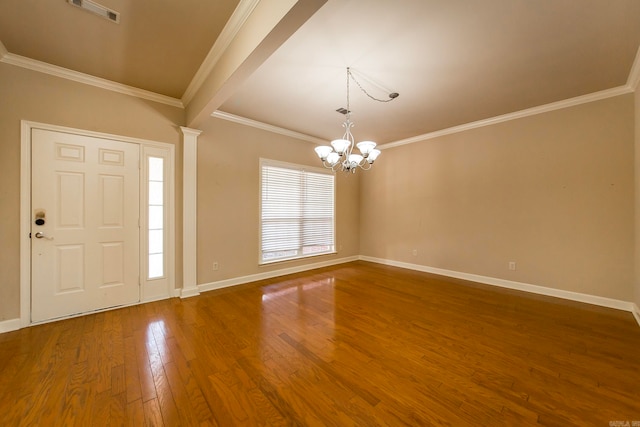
(558, 293)
(270, 274)
(190, 292)
(636, 313)
(15, 324)
(10, 325)
(156, 298)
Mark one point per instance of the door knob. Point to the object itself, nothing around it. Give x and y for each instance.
(40, 235)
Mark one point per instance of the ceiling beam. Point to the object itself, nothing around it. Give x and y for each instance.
(634, 75)
(268, 26)
(237, 20)
(3, 50)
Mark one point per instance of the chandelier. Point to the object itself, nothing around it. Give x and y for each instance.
(339, 155)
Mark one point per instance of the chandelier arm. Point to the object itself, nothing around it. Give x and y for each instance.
(333, 167)
(366, 166)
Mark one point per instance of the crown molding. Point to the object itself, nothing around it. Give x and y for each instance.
(571, 102)
(264, 126)
(237, 20)
(65, 73)
(634, 74)
(631, 86)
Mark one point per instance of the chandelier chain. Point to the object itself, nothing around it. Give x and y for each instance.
(350, 74)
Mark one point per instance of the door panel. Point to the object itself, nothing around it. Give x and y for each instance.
(69, 264)
(87, 256)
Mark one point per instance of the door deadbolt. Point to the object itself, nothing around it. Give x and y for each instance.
(40, 217)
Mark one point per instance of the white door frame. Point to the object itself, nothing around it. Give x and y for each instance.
(25, 209)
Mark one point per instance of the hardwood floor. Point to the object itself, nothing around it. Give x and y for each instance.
(356, 344)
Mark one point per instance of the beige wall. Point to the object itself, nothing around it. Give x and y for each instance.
(228, 199)
(553, 192)
(637, 200)
(28, 95)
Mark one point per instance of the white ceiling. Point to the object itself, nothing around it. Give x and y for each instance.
(452, 61)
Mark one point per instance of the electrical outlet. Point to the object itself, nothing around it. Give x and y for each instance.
(512, 265)
(215, 266)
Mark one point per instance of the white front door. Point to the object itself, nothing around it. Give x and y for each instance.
(84, 224)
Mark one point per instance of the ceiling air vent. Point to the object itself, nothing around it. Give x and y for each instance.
(97, 9)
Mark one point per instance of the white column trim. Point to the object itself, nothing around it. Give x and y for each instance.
(25, 222)
(189, 211)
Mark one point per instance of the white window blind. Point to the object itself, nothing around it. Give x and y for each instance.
(297, 212)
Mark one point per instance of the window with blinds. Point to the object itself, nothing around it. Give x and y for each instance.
(296, 211)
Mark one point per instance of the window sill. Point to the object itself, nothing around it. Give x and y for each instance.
(280, 261)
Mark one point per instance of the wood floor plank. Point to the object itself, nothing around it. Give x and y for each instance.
(152, 414)
(147, 385)
(270, 389)
(355, 344)
(131, 374)
(164, 394)
(99, 407)
(118, 381)
(75, 396)
(327, 368)
(135, 415)
(220, 415)
(118, 409)
(186, 412)
(264, 410)
(196, 399)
